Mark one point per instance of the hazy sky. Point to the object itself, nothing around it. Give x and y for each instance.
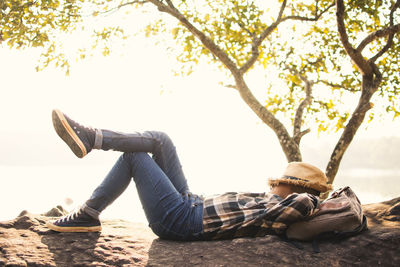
(132, 90)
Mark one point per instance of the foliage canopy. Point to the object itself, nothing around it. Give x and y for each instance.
(326, 52)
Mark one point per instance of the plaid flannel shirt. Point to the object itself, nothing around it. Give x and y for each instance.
(253, 214)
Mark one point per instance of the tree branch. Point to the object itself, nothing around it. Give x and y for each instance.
(389, 41)
(169, 2)
(369, 86)
(333, 85)
(123, 5)
(300, 135)
(231, 86)
(371, 80)
(289, 147)
(257, 41)
(206, 41)
(347, 136)
(355, 55)
(298, 119)
(316, 15)
(378, 34)
(378, 76)
(336, 85)
(251, 34)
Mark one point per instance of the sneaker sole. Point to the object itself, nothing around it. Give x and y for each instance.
(66, 133)
(79, 229)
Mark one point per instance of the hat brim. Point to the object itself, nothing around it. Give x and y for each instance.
(316, 186)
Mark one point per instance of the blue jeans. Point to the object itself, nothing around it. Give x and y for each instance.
(172, 212)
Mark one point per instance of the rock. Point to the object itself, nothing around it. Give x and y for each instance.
(24, 212)
(393, 213)
(25, 241)
(56, 212)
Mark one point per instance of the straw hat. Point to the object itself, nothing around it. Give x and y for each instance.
(305, 175)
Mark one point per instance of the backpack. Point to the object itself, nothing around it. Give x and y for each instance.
(337, 217)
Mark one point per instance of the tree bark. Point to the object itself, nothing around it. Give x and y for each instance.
(369, 88)
(371, 79)
(288, 144)
(298, 118)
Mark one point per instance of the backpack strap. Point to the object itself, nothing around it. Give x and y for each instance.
(315, 246)
(291, 242)
(362, 227)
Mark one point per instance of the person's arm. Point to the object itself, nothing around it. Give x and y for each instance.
(294, 207)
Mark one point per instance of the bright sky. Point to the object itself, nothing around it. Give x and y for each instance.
(221, 142)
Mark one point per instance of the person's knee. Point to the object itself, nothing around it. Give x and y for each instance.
(162, 137)
(130, 156)
(134, 159)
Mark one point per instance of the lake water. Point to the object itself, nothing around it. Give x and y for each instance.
(39, 188)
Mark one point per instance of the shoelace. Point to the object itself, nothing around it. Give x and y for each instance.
(87, 128)
(78, 126)
(71, 216)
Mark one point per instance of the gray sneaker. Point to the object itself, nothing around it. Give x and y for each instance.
(79, 138)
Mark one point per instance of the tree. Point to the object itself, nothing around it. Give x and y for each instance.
(242, 36)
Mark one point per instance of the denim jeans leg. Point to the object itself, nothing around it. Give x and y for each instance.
(169, 214)
(156, 191)
(158, 144)
(113, 185)
(160, 182)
